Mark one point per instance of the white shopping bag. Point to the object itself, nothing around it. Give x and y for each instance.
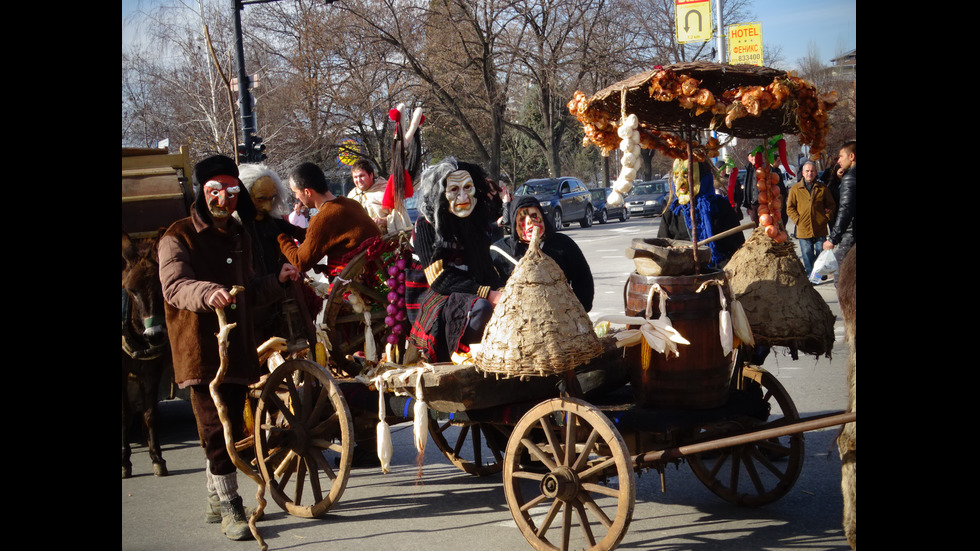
(824, 265)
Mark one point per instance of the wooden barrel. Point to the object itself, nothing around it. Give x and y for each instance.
(699, 377)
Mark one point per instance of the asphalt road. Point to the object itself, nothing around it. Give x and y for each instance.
(438, 507)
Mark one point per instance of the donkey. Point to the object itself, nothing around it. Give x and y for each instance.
(145, 345)
(847, 440)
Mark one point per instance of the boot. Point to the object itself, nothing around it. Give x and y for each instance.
(234, 521)
(212, 513)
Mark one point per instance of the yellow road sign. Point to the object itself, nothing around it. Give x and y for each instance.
(745, 43)
(693, 20)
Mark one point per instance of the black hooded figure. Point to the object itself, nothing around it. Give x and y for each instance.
(451, 292)
(561, 248)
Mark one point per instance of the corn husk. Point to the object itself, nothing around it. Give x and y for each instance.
(658, 333)
(421, 416)
(740, 324)
(725, 329)
(385, 449)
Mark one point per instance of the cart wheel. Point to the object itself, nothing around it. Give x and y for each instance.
(345, 327)
(592, 487)
(756, 473)
(305, 440)
(485, 452)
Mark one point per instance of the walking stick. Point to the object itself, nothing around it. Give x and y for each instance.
(224, 328)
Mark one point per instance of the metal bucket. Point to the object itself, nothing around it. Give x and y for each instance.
(699, 377)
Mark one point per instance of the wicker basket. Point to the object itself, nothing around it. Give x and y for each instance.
(538, 328)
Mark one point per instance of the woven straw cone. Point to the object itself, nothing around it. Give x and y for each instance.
(538, 327)
(782, 306)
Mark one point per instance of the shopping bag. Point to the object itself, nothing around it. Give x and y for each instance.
(824, 265)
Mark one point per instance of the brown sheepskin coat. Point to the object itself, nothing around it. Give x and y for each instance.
(195, 260)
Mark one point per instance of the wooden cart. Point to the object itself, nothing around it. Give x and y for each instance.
(568, 446)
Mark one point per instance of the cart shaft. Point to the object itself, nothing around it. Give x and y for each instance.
(801, 425)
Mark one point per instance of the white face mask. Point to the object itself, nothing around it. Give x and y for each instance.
(461, 193)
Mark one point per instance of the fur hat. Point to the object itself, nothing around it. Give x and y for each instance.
(213, 166)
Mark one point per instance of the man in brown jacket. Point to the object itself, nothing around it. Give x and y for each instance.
(810, 205)
(340, 227)
(201, 258)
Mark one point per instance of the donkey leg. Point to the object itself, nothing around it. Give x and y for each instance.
(151, 388)
(152, 440)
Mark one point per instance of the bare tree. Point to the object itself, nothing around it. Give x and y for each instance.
(178, 81)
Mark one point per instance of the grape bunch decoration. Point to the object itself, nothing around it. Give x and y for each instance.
(396, 319)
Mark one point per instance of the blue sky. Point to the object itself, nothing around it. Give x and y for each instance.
(793, 24)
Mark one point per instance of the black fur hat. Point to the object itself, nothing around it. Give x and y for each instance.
(214, 166)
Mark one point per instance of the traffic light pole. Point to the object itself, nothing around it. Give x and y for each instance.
(244, 95)
(252, 149)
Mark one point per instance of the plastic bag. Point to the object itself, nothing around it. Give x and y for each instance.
(824, 265)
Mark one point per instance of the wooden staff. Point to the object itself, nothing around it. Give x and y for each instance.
(690, 193)
(726, 233)
(224, 328)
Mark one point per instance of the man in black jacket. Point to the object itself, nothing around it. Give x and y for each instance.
(843, 231)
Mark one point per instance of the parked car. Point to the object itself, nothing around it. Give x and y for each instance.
(603, 210)
(564, 200)
(648, 198)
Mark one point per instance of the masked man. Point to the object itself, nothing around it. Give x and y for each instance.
(527, 214)
(269, 195)
(458, 283)
(713, 212)
(201, 258)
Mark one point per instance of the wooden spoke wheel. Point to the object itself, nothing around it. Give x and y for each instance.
(476, 448)
(366, 276)
(304, 441)
(345, 327)
(756, 473)
(568, 477)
